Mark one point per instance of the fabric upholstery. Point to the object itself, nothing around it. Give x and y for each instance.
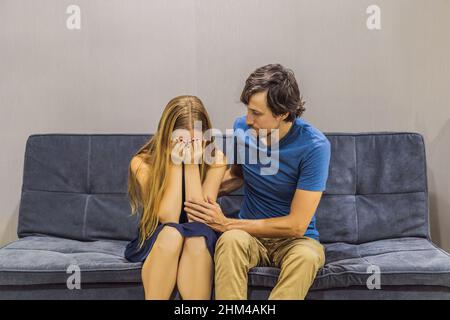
(74, 210)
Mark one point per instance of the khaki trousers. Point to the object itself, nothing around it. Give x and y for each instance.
(237, 252)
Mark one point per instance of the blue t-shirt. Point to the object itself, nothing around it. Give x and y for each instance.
(302, 162)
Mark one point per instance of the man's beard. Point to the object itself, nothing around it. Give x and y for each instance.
(267, 134)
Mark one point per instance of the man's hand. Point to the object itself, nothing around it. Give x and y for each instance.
(208, 212)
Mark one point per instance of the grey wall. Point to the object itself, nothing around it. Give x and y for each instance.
(116, 74)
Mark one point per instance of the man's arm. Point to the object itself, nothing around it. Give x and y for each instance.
(295, 224)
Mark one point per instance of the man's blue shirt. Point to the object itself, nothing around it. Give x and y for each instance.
(303, 162)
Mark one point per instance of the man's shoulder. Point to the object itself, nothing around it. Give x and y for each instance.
(309, 134)
(240, 123)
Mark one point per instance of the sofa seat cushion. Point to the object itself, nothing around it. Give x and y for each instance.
(401, 261)
(45, 260)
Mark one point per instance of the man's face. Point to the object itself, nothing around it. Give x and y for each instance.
(259, 115)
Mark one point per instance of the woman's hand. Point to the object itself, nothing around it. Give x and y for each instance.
(194, 151)
(177, 152)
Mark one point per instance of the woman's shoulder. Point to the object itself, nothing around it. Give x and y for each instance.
(139, 165)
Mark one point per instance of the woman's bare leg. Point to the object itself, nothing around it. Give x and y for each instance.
(195, 270)
(159, 272)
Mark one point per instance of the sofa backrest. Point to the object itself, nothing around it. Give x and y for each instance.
(376, 189)
(75, 186)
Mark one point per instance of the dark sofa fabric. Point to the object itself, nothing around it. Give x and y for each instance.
(74, 211)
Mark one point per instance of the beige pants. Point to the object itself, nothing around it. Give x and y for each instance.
(237, 252)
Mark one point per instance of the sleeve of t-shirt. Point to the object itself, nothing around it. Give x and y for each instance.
(234, 125)
(314, 168)
(237, 123)
(236, 158)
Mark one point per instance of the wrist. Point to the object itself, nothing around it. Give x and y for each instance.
(175, 164)
(227, 224)
(190, 166)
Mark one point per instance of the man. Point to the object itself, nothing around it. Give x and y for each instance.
(276, 224)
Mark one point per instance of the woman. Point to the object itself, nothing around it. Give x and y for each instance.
(162, 175)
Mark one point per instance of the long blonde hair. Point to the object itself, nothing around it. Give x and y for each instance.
(180, 113)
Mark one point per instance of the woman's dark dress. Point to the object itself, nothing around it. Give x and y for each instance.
(187, 229)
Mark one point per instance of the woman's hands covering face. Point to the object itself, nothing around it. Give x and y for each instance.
(194, 151)
(177, 151)
(189, 151)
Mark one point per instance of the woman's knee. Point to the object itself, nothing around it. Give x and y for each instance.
(195, 246)
(169, 240)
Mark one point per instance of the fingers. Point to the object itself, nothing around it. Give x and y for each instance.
(194, 151)
(176, 143)
(176, 140)
(189, 140)
(177, 152)
(194, 218)
(198, 143)
(200, 204)
(198, 215)
(212, 201)
(189, 150)
(181, 150)
(187, 153)
(203, 206)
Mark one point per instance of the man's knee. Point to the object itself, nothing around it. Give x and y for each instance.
(234, 237)
(305, 256)
(232, 240)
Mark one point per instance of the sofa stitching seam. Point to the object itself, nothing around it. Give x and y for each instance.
(356, 191)
(88, 187)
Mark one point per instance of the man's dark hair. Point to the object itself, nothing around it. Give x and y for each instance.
(283, 94)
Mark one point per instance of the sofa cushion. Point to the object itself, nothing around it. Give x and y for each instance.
(403, 261)
(74, 186)
(376, 189)
(74, 210)
(45, 260)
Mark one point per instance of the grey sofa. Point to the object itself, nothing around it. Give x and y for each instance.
(74, 211)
